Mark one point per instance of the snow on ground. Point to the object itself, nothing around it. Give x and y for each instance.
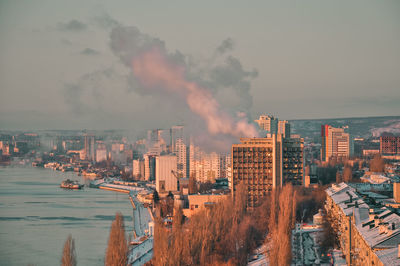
(141, 216)
(142, 253)
(122, 187)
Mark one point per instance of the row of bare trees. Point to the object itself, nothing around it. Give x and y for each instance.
(281, 222)
(117, 248)
(222, 234)
(227, 233)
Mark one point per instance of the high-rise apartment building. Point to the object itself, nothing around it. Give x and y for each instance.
(136, 169)
(180, 152)
(211, 166)
(90, 148)
(335, 143)
(149, 167)
(176, 134)
(268, 123)
(256, 162)
(390, 145)
(206, 166)
(263, 164)
(101, 152)
(292, 160)
(156, 142)
(194, 161)
(284, 128)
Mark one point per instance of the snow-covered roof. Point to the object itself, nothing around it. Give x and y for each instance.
(361, 215)
(335, 188)
(369, 186)
(383, 231)
(346, 197)
(376, 178)
(388, 256)
(374, 195)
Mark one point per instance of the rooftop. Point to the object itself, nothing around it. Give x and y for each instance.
(388, 256)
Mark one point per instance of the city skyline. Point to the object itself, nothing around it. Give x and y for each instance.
(59, 69)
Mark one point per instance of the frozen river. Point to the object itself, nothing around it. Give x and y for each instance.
(36, 216)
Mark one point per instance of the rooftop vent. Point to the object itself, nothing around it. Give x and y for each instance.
(371, 226)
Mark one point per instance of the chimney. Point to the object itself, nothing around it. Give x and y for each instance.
(398, 251)
(351, 198)
(376, 220)
(396, 192)
(371, 214)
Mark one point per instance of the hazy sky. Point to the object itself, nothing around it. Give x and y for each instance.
(298, 59)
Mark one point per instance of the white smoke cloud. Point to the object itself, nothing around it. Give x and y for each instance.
(156, 71)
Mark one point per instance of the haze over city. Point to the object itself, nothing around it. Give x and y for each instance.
(60, 68)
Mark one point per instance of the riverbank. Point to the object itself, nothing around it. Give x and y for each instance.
(142, 221)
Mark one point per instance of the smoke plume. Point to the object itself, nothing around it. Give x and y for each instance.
(154, 70)
(159, 72)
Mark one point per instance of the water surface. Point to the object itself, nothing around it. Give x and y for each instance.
(36, 217)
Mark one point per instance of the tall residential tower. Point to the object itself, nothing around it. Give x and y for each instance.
(263, 164)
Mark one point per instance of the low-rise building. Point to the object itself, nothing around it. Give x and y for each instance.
(364, 230)
(197, 202)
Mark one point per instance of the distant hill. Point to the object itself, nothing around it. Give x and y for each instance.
(358, 126)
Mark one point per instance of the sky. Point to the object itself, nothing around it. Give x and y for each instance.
(68, 64)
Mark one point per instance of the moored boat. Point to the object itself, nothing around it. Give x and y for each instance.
(70, 184)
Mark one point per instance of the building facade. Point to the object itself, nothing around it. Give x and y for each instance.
(268, 123)
(284, 128)
(263, 164)
(292, 160)
(256, 162)
(180, 151)
(368, 234)
(390, 145)
(335, 143)
(177, 133)
(90, 149)
(166, 177)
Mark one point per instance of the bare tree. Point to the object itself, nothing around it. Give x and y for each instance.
(221, 234)
(280, 252)
(192, 184)
(116, 254)
(347, 174)
(377, 164)
(160, 243)
(69, 256)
